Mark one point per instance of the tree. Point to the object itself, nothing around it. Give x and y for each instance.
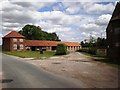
(32, 32)
(101, 42)
(61, 49)
(82, 44)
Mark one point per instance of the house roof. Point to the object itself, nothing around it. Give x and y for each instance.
(13, 34)
(116, 13)
(48, 43)
(115, 16)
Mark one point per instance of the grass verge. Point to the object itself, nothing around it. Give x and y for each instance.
(30, 54)
(102, 59)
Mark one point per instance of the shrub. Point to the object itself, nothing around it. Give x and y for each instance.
(61, 49)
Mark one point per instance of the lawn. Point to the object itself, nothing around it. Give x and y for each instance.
(30, 54)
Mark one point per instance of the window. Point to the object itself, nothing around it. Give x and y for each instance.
(21, 46)
(14, 46)
(15, 40)
(21, 40)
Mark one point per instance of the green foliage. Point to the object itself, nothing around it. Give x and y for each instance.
(61, 49)
(101, 42)
(32, 32)
(91, 50)
(98, 43)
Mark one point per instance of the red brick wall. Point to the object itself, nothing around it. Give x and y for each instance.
(18, 43)
(6, 44)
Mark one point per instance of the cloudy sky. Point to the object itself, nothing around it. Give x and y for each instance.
(71, 20)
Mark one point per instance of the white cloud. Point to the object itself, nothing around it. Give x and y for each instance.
(17, 14)
(89, 7)
(61, 29)
(86, 35)
(59, 18)
(89, 26)
(99, 8)
(88, 17)
(103, 19)
(68, 38)
(72, 10)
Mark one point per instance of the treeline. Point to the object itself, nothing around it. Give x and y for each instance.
(94, 44)
(98, 43)
(32, 32)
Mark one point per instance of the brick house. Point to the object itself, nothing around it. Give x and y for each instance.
(15, 41)
(113, 34)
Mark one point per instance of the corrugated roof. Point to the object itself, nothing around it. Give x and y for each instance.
(48, 43)
(13, 34)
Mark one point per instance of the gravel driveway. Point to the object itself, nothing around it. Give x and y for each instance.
(78, 66)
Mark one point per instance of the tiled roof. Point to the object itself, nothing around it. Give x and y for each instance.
(13, 34)
(48, 43)
(71, 43)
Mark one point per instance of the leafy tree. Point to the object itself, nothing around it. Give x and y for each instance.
(32, 32)
(82, 43)
(61, 49)
(101, 42)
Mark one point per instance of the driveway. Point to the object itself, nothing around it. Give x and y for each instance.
(20, 74)
(79, 67)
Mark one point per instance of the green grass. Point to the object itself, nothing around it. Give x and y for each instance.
(30, 54)
(102, 59)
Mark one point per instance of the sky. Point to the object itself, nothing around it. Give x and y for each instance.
(72, 20)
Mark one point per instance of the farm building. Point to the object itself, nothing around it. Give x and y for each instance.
(113, 34)
(14, 41)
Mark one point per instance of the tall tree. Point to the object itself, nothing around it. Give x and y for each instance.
(32, 32)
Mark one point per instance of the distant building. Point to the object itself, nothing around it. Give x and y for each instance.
(113, 34)
(16, 42)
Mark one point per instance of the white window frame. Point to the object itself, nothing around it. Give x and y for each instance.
(21, 46)
(20, 40)
(14, 39)
(14, 46)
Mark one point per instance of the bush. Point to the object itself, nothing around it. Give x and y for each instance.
(61, 49)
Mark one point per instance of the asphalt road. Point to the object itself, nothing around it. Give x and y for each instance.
(20, 74)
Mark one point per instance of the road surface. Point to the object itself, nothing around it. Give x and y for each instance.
(20, 74)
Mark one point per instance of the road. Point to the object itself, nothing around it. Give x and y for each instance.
(20, 74)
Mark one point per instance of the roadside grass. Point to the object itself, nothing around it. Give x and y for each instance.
(30, 54)
(103, 59)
